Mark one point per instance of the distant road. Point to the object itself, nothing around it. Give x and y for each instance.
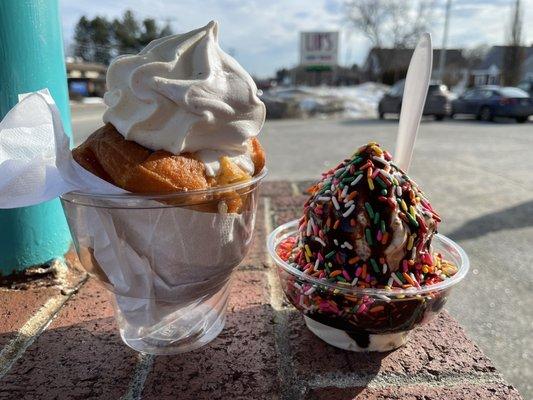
(86, 118)
(477, 175)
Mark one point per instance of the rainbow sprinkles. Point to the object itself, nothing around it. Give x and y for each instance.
(367, 224)
(363, 263)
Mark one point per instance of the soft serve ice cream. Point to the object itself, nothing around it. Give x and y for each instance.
(184, 94)
(181, 115)
(182, 119)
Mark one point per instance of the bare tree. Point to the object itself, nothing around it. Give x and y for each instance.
(513, 55)
(390, 23)
(395, 23)
(475, 55)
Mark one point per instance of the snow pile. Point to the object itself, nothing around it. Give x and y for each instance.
(92, 100)
(359, 101)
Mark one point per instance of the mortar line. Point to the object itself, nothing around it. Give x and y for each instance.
(295, 189)
(273, 281)
(267, 209)
(349, 380)
(249, 267)
(33, 327)
(286, 377)
(138, 379)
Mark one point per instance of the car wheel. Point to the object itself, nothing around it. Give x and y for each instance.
(381, 113)
(521, 120)
(485, 114)
(399, 109)
(439, 117)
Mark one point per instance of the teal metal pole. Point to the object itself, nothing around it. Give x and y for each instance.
(31, 58)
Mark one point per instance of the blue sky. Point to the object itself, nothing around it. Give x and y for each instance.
(263, 35)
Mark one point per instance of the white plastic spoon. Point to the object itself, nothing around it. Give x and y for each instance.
(414, 98)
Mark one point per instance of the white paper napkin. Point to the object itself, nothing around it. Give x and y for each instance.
(36, 164)
(155, 258)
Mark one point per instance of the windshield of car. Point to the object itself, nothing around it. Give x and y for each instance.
(397, 89)
(525, 85)
(471, 94)
(513, 92)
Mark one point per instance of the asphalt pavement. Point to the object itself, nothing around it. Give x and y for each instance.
(477, 175)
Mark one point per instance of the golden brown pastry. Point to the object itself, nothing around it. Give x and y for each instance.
(137, 169)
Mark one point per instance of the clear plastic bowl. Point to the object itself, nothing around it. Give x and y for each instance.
(167, 258)
(364, 319)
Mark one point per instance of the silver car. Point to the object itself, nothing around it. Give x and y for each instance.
(438, 101)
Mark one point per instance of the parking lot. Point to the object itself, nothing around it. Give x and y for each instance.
(477, 175)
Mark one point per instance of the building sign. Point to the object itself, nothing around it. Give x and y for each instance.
(319, 48)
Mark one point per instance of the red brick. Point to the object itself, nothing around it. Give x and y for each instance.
(18, 306)
(438, 348)
(310, 355)
(435, 349)
(283, 217)
(282, 203)
(276, 188)
(304, 185)
(80, 355)
(92, 301)
(239, 364)
(419, 392)
(286, 208)
(257, 255)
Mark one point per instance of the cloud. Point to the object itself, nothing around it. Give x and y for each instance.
(475, 22)
(265, 35)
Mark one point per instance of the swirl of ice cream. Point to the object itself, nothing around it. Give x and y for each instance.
(182, 93)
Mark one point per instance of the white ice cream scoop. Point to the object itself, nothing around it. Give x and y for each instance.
(183, 93)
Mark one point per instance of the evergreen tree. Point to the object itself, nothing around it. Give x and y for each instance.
(82, 39)
(101, 40)
(166, 31)
(149, 32)
(127, 33)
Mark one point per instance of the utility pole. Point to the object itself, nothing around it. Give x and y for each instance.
(513, 56)
(442, 59)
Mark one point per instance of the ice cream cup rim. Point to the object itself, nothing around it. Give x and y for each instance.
(167, 195)
(292, 228)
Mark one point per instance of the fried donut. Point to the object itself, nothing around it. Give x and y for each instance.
(137, 169)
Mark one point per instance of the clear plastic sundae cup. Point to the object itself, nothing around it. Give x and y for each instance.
(167, 258)
(364, 319)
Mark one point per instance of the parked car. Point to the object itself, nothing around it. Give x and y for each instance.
(438, 101)
(487, 102)
(527, 86)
